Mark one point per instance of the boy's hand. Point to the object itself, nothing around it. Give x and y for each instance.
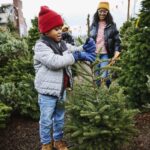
(84, 56)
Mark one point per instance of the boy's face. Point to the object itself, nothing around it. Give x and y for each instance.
(55, 33)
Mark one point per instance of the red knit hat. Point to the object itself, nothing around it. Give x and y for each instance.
(48, 19)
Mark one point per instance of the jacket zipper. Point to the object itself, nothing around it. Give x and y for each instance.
(70, 78)
(62, 87)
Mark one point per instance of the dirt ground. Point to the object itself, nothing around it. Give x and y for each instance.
(22, 134)
(142, 140)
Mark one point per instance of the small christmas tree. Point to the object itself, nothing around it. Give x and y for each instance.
(98, 117)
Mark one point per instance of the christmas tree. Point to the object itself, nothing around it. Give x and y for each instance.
(16, 76)
(97, 117)
(135, 60)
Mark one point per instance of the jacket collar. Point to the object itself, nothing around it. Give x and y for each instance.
(57, 47)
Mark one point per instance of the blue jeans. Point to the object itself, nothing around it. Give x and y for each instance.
(103, 73)
(51, 116)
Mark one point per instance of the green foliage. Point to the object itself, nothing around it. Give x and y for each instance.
(33, 34)
(88, 25)
(16, 76)
(127, 29)
(144, 14)
(98, 118)
(146, 107)
(11, 28)
(148, 83)
(134, 60)
(10, 48)
(5, 112)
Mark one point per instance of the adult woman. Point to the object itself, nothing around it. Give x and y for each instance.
(103, 30)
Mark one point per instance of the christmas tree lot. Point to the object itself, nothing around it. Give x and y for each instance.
(98, 117)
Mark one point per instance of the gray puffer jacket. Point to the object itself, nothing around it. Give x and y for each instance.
(49, 68)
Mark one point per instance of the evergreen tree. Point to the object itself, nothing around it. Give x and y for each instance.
(33, 34)
(144, 21)
(127, 29)
(16, 76)
(135, 62)
(98, 117)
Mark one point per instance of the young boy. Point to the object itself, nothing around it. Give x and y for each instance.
(52, 58)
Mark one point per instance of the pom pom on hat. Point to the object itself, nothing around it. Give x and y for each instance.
(48, 19)
(104, 5)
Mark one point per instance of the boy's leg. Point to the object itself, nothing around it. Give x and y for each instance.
(58, 123)
(47, 105)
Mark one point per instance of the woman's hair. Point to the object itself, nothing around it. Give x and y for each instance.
(108, 19)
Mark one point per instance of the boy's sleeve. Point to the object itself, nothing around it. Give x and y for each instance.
(73, 48)
(47, 57)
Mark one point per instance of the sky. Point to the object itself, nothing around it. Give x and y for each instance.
(75, 11)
